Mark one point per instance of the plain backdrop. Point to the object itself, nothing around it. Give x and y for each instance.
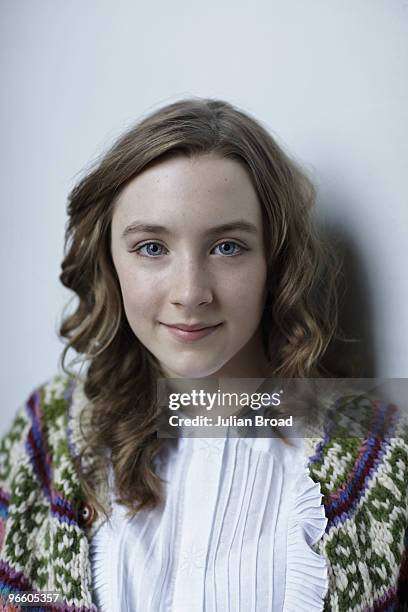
(328, 79)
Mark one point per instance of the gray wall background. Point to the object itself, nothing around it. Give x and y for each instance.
(327, 78)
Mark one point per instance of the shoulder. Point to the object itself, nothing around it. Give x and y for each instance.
(343, 461)
(364, 481)
(43, 406)
(39, 422)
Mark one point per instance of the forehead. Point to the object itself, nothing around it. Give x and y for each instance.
(184, 190)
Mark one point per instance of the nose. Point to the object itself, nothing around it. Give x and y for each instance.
(190, 286)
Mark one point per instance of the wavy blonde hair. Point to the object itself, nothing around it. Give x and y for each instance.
(299, 319)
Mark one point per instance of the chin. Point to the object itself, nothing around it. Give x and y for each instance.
(193, 370)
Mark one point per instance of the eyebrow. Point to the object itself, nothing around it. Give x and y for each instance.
(239, 224)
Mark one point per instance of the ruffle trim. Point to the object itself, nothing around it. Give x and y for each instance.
(100, 553)
(306, 570)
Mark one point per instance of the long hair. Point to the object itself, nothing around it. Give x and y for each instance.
(299, 319)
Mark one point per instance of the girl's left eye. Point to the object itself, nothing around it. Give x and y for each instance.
(229, 248)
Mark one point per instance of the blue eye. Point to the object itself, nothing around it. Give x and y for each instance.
(229, 248)
(152, 249)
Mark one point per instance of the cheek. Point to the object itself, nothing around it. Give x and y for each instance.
(246, 294)
(140, 294)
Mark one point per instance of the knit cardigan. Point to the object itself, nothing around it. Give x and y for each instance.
(44, 541)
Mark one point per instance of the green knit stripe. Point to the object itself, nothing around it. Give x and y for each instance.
(55, 407)
(69, 543)
(11, 445)
(337, 459)
(27, 526)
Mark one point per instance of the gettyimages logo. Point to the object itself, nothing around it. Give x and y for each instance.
(221, 408)
(207, 400)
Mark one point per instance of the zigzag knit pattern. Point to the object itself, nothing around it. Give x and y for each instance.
(44, 548)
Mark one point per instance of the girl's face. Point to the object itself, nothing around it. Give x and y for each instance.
(187, 245)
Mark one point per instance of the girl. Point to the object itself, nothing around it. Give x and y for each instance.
(193, 254)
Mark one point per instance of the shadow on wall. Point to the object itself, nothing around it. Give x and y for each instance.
(352, 353)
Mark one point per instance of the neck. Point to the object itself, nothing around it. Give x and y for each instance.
(244, 373)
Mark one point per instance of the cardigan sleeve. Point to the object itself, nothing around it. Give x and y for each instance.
(44, 548)
(402, 589)
(11, 451)
(402, 586)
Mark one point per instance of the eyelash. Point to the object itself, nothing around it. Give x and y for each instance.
(236, 244)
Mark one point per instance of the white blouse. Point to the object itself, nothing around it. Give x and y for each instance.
(234, 534)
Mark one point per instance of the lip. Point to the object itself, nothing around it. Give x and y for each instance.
(191, 333)
(195, 327)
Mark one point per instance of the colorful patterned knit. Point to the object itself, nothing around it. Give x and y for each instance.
(45, 547)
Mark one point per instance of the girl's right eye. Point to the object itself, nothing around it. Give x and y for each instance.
(150, 249)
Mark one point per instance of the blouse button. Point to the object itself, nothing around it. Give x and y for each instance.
(86, 515)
